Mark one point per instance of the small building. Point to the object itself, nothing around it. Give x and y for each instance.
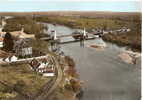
(48, 74)
(11, 59)
(34, 64)
(18, 34)
(22, 48)
(43, 67)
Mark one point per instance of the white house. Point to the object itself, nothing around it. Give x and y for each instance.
(22, 48)
(7, 59)
(13, 59)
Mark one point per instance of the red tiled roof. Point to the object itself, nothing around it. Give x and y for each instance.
(35, 64)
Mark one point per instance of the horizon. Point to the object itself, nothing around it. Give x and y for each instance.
(66, 11)
(51, 6)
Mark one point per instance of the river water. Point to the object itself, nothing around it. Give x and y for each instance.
(105, 75)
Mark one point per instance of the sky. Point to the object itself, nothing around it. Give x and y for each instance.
(69, 5)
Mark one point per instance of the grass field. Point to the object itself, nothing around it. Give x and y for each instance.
(22, 78)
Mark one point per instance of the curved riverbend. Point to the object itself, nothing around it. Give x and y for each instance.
(105, 75)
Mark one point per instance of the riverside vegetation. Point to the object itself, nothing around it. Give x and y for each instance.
(104, 21)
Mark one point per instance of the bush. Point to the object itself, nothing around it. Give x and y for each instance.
(20, 84)
(5, 89)
(8, 42)
(70, 61)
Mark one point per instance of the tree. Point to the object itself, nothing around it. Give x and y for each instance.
(8, 42)
(70, 61)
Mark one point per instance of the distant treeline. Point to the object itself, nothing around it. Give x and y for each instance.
(88, 20)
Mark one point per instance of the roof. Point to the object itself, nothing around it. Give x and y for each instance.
(35, 63)
(15, 33)
(2, 33)
(20, 34)
(3, 54)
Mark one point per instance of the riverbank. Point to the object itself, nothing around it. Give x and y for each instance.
(82, 22)
(127, 39)
(70, 86)
(131, 39)
(106, 76)
(132, 21)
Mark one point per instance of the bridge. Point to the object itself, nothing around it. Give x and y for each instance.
(88, 36)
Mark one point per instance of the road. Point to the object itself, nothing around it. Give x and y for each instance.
(105, 75)
(50, 88)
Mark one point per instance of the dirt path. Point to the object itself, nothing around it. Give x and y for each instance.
(53, 85)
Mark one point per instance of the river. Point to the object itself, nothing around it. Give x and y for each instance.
(105, 75)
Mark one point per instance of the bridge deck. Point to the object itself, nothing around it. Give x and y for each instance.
(61, 36)
(91, 36)
(73, 41)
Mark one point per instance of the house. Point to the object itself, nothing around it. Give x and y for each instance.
(43, 67)
(48, 74)
(22, 48)
(11, 59)
(18, 34)
(34, 64)
(21, 34)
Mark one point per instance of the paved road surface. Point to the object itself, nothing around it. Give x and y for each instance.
(105, 75)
